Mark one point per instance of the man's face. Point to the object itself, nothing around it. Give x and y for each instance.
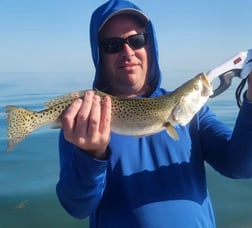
(125, 72)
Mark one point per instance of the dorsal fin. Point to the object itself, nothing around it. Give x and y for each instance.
(66, 97)
(102, 94)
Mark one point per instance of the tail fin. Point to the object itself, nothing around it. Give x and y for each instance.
(19, 125)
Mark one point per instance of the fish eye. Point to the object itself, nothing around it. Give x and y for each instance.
(196, 87)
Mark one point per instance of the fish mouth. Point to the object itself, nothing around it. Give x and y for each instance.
(207, 86)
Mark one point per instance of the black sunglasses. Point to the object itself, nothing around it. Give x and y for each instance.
(115, 45)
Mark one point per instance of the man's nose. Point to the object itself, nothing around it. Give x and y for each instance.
(127, 50)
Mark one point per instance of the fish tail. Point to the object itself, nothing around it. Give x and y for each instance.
(20, 123)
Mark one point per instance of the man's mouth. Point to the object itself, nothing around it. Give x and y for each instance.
(128, 66)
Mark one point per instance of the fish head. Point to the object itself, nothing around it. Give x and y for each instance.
(192, 96)
(196, 89)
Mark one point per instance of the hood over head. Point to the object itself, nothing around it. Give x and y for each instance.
(100, 16)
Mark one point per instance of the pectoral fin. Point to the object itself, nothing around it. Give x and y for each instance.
(171, 131)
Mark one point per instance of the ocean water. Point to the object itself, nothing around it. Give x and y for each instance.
(29, 173)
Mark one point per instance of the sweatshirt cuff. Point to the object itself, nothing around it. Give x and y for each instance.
(88, 165)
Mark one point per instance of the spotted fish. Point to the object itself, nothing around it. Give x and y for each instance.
(130, 116)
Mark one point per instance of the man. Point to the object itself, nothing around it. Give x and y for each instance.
(154, 181)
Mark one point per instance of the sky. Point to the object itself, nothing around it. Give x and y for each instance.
(53, 35)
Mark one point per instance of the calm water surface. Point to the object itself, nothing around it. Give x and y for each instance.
(29, 173)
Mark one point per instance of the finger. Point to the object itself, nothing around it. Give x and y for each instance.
(106, 116)
(83, 114)
(95, 116)
(70, 113)
(68, 118)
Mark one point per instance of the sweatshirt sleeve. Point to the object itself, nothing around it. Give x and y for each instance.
(229, 152)
(82, 180)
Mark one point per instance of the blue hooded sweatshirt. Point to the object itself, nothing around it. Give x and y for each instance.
(152, 181)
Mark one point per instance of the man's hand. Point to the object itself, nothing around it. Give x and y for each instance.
(86, 124)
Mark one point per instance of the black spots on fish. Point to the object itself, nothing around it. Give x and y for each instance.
(19, 125)
(134, 109)
(21, 122)
(52, 113)
(62, 107)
